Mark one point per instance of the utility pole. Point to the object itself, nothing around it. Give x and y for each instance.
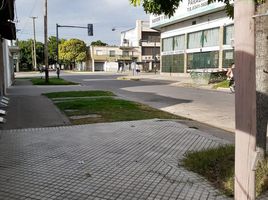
(245, 100)
(34, 45)
(57, 39)
(46, 43)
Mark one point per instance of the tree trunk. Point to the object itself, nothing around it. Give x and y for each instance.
(262, 77)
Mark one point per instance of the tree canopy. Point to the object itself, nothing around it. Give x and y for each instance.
(98, 43)
(73, 50)
(26, 54)
(52, 49)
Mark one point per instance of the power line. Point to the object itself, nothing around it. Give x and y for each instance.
(24, 25)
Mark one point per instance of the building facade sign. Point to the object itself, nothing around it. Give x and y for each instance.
(195, 4)
(186, 10)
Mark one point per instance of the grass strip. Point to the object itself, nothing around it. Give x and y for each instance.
(93, 93)
(103, 107)
(217, 166)
(110, 110)
(223, 84)
(52, 81)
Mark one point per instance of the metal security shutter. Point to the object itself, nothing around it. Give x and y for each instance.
(99, 66)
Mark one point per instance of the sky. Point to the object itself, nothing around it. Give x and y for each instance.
(103, 14)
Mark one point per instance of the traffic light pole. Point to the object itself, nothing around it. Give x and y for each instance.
(46, 43)
(89, 28)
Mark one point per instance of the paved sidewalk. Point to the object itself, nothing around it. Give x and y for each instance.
(125, 160)
(30, 109)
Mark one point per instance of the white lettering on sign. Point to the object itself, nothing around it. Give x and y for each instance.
(194, 4)
(159, 18)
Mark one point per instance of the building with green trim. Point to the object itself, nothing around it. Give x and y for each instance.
(199, 37)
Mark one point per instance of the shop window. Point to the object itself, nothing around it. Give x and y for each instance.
(173, 63)
(228, 34)
(211, 37)
(179, 42)
(203, 60)
(195, 40)
(167, 44)
(228, 58)
(205, 38)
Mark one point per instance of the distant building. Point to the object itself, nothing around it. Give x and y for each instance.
(108, 58)
(198, 37)
(145, 42)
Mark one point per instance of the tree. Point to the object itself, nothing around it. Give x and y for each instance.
(26, 54)
(52, 49)
(98, 43)
(72, 51)
(39, 53)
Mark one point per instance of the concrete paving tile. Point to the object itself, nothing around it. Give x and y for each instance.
(104, 161)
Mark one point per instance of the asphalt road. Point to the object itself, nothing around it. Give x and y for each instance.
(211, 107)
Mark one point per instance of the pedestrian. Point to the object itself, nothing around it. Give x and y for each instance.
(138, 69)
(133, 66)
(231, 76)
(58, 72)
(119, 66)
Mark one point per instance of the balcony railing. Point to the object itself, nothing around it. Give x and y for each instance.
(112, 58)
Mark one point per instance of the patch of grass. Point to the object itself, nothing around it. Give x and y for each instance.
(52, 81)
(95, 93)
(103, 107)
(110, 110)
(128, 79)
(217, 166)
(223, 84)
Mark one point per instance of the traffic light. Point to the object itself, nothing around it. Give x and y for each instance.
(90, 29)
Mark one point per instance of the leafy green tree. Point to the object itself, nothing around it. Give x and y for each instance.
(26, 54)
(72, 51)
(52, 49)
(98, 43)
(40, 54)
